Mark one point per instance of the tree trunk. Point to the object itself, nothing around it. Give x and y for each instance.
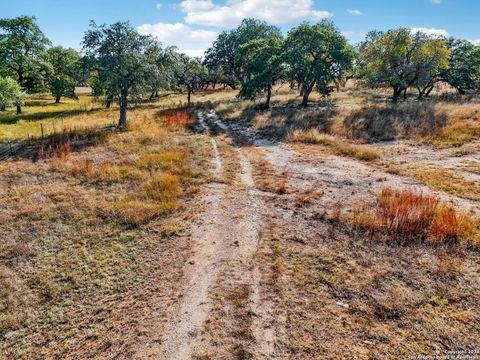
(269, 96)
(306, 90)
(429, 91)
(156, 93)
(122, 121)
(151, 96)
(2, 107)
(57, 100)
(19, 108)
(396, 94)
(405, 94)
(189, 95)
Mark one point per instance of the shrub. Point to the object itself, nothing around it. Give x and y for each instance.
(177, 118)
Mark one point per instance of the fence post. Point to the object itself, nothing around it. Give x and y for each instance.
(41, 128)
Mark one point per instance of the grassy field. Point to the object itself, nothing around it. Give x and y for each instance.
(82, 222)
(369, 233)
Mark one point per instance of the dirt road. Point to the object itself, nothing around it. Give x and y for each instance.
(227, 308)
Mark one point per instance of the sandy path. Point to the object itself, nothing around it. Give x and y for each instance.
(225, 233)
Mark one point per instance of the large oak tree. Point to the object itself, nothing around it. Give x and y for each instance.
(118, 55)
(317, 55)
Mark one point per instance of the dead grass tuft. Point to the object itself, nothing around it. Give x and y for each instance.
(407, 216)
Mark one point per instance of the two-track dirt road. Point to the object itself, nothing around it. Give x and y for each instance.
(227, 305)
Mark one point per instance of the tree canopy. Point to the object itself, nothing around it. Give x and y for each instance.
(225, 55)
(263, 59)
(118, 54)
(22, 53)
(400, 59)
(66, 72)
(317, 55)
(463, 72)
(10, 93)
(190, 72)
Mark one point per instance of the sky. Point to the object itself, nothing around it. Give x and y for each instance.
(192, 25)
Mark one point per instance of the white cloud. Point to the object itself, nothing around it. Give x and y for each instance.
(476, 42)
(196, 5)
(234, 11)
(158, 6)
(354, 12)
(436, 2)
(430, 31)
(192, 42)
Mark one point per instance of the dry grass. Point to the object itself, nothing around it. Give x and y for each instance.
(76, 224)
(406, 217)
(445, 180)
(369, 299)
(361, 114)
(266, 177)
(338, 146)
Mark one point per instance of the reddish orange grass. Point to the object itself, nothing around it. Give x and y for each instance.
(407, 216)
(177, 117)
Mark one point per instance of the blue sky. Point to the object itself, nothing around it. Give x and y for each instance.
(193, 24)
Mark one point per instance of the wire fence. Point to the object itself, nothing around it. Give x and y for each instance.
(32, 144)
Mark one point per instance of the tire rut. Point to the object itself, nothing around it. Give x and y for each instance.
(225, 235)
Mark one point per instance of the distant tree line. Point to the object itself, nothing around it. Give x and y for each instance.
(122, 66)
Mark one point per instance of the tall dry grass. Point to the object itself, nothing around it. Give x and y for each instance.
(409, 216)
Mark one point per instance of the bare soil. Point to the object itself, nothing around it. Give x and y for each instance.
(273, 273)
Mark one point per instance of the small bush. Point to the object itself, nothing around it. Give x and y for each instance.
(405, 214)
(84, 167)
(177, 118)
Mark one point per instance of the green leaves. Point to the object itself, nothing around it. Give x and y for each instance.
(190, 72)
(317, 56)
(263, 64)
(119, 56)
(22, 52)
(10, 92)
(463, 72)
(66, 72)
(401, 59)
(225, 54)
